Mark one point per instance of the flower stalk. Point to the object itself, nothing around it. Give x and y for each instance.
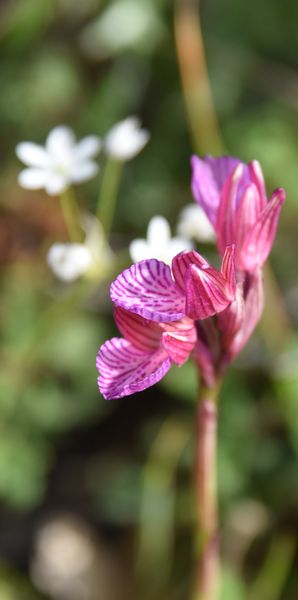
(71, 215)
(108, 193)
(206, 582)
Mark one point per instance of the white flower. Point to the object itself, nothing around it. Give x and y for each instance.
(126, 139)
(69, 261)
(159, 243)
(193, 224)
(59, 163)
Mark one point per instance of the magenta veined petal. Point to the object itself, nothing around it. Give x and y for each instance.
(248, 211)
(228, 271)
(123, 369)
(207, 290)
(226, 215)
(147, 288)
(206, 293)
(182, 262)
(179, 342)
(252, 311)
(143, 334)
(257, 178)
(260, 237)
(208, 178)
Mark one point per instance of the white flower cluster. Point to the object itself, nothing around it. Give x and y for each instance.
(64, 161)
(69, 261)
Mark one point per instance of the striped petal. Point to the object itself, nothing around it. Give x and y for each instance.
(143, 334)
(259, 240)
(226, 215)
(206, 292)
(124, 369)
(208, 178)
(179, 344)
(148, 289)
(247, 214)
(252, 311)
(257, 177)
(228, 271)
(182, 262)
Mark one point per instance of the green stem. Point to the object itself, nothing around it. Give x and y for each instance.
(157, 510)
(71, 215)
(271, 580)
(196, 87)
(207, 575)
(108, 193)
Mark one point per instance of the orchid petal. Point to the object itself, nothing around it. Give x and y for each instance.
(230, 320)
(182, 262)
(247, 214)
(228, 271)
(148, 289)
(179, 344)
(257, 177)
(208, 178)
(206, 292)
(124, 369)
(252, 311)
(143, 334)
(226, 222)
(260, 237)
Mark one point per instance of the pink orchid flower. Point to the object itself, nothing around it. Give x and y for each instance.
(144, 355)
(233, 197)
(150, 289)
(156, 312)
(221, 338)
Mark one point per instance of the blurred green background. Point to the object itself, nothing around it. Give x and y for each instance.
(95, 497)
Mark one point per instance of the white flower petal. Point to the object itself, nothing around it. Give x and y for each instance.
(158, 232)
(126, 139)
(140, 250)
(83, 171)
(193, 224)
(178, 244)
(69, 261)
(56, 183)
(88, 147)
(32, 179)
(60, 143)
(32, 154)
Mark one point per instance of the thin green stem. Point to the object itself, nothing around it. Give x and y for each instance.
(196, 87)
(272, 577)
(206, 585)
(157, 510)
(108, 193)
(71, 215)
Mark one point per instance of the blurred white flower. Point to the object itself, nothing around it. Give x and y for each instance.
(61, 162)
(126, 139)
(69, 261)
(159, 243)
(123, 25)
(193, 224)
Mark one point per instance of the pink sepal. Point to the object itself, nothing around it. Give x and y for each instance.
(260, 237)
